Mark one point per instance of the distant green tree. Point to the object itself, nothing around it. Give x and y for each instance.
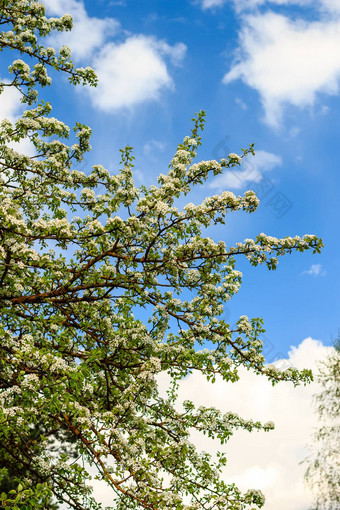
(323, 471)
(59, 442)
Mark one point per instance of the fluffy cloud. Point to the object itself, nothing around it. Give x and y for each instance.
(315, 270)
(250, 171)
(133, 72)
(208, 4)
(129, 72)
(268, 461)
(333, 6)
(11, 108)
(88, 33)
(287, 61)
(153, 146)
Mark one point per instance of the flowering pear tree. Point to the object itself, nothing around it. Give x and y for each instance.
(100, 293)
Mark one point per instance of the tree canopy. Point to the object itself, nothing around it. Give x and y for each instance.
(102, 291)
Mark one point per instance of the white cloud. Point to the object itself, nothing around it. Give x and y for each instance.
(241, 103)
(208, 4)
(11, 108)
(176, 53)
(10, 105)
(315, 270)
(133, 72)
(331, 5)
(129, 72)
(268, 461)
(294, 132)
(87, 34)
(153, 146)
(250, 171)
(287, 61)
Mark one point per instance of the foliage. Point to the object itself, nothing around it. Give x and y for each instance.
(101, 292)
(12, 473)
(323, 471)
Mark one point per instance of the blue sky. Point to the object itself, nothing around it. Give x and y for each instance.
(265, 73)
